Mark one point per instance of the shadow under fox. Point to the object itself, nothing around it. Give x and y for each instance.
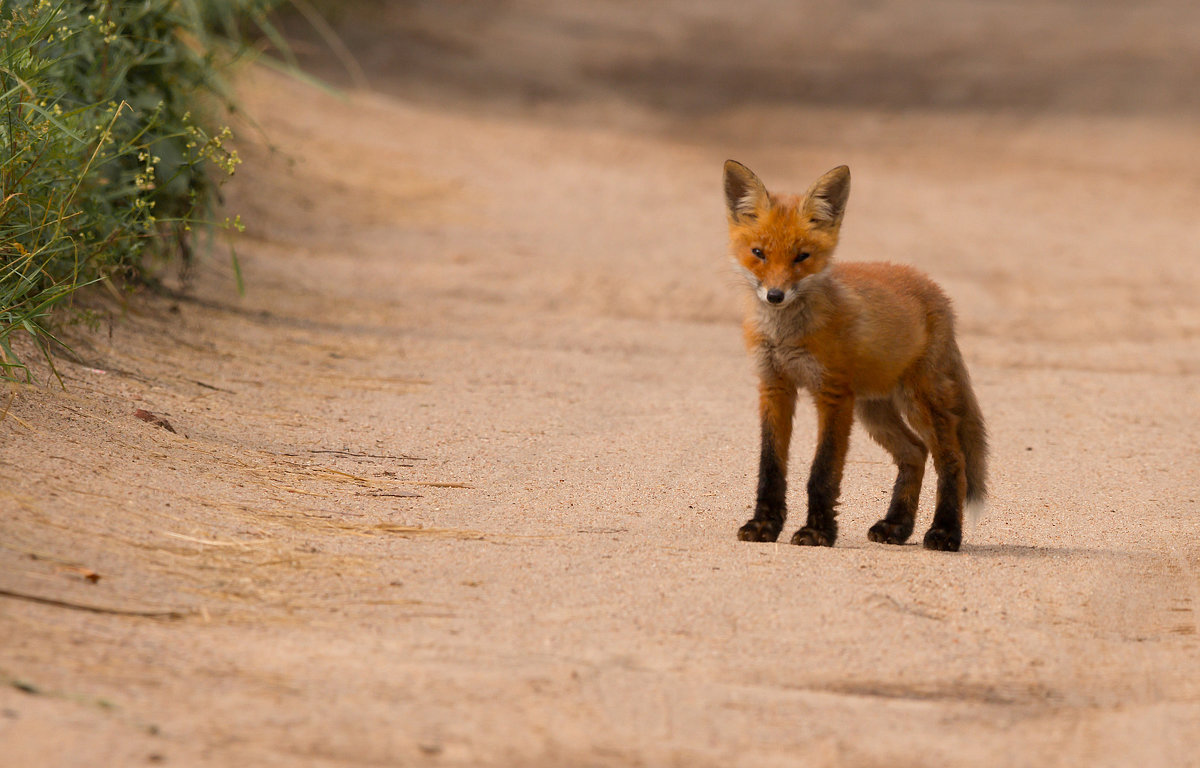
(871, 339)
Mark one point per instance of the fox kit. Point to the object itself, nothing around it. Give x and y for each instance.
(871, 339)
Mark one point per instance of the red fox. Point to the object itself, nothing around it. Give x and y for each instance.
(868, 338)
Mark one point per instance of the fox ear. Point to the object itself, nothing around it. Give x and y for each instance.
(745, 194)
(825, 201)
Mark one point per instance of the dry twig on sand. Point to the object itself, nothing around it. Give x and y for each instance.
(145, 614)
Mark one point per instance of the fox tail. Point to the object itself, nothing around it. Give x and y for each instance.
(972, 436)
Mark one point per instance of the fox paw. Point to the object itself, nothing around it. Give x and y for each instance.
(760, 530)
(887, 532)
(811, 537)
(943, 540)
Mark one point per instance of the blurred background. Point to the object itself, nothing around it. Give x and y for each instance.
(694, 57)
(1039, 159)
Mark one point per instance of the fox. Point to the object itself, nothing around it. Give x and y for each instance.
(871, 339)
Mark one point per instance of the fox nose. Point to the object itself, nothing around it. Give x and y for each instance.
(775, 296)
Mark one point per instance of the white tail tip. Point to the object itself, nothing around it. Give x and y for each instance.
(973, 512)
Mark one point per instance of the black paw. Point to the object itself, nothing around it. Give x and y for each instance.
(760, 530)
(811, 537)
(943, 540)
(887, 532)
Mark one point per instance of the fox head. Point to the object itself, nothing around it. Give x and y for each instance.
(778, 241)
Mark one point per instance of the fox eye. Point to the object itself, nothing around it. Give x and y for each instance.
(801, 257)
(758, 253)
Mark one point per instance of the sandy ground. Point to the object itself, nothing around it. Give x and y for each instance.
(457, 481)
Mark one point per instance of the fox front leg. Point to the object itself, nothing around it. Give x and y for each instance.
(835, 415)
(777, 404)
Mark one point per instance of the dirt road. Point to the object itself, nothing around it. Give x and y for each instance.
(456, 482)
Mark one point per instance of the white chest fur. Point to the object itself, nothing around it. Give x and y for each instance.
(784, 350)
(798, 365)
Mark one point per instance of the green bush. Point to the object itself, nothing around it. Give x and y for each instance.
(109, 151)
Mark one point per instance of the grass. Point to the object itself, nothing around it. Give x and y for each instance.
(111, 150)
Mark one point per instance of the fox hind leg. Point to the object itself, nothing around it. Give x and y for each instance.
(938, 423)
(883, 422)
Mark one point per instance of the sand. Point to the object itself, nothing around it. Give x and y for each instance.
(456, 482)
